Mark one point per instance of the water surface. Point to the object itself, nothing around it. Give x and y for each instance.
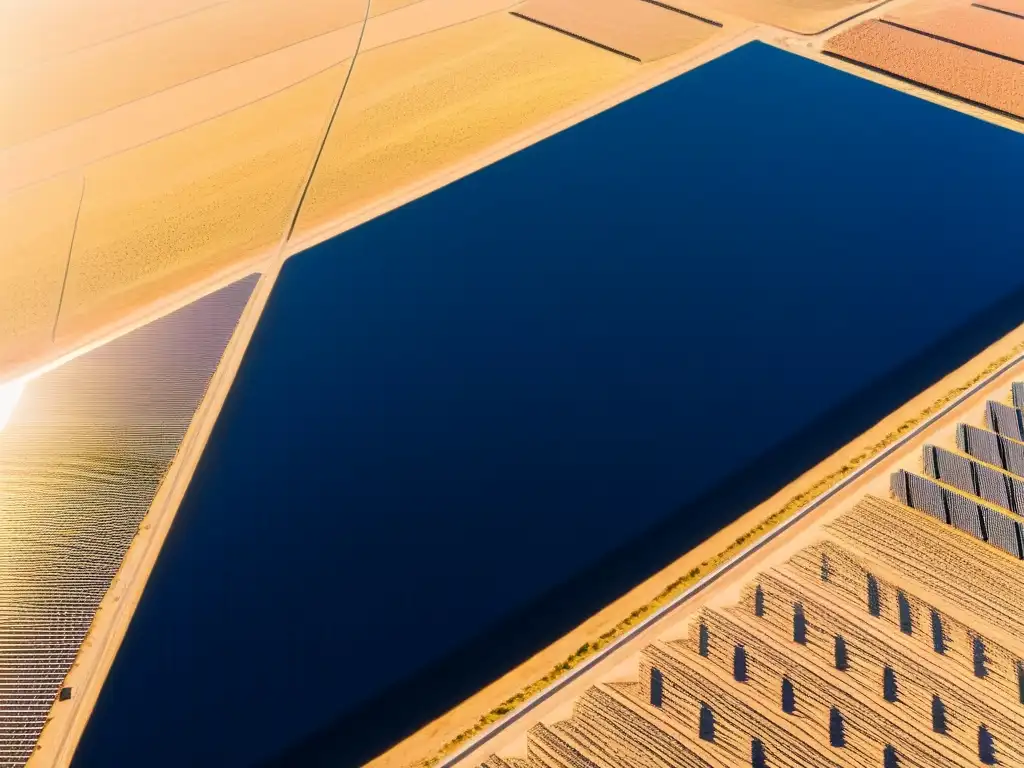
(606, 346)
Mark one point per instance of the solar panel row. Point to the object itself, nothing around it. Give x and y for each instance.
(997, 450)
(1005, 420)
(988, 523)
(976, 478)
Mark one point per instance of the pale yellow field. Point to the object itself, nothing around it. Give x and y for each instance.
(806, 17)
(31, 32)
(89, 81)
(175, 209)
(37, 224)
(416, 106)
(379, 7)
(175, 109)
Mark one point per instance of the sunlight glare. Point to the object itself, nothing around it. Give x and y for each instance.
(10, 393)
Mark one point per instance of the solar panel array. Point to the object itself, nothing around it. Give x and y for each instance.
(983, 521)
(1005, 420)
(997, 450)
(976, 478)
(902, 651)
(892, 641)
(1018, 394)
(80, 463)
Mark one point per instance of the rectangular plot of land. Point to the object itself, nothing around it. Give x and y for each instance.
(803, 17)
(1011, 7)
(975, 28)
(970, 75)
(633, 28)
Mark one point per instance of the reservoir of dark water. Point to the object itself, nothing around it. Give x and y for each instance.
(466, 425)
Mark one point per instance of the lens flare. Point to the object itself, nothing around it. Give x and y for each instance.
(10, 393)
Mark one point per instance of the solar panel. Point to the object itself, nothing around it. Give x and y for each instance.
(80, 463)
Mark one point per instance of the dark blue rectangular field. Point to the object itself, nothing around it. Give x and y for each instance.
(606, 346)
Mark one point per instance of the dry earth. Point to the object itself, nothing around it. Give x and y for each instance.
(969, 26)
(634, 28)
(97, 78)
(971, 75)
(37, 225)
(34, 32)
(805, 17)
(1014, 7)
(420, 105)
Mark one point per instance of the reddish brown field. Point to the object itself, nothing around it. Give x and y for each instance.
(1015, 7)
(640, 30)
(959, 72)
(974, 27)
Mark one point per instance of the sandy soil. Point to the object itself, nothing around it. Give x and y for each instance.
(170, 111)
(101, 77)
(974, 27)
(175, 210)
(806, 17)
(958, 71)
(197, 100)
(636, 29)
(34, 32)
(423, 17)
(1015, 7)
(415, 107)
(37, 225)
(378, 7)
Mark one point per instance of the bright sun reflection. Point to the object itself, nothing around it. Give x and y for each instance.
(10, 393)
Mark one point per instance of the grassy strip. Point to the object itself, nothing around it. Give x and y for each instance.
(695, 574)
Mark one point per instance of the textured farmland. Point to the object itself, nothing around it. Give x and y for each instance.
(806, 17)
(1011, 7)
(125, 68)
(850, 653)
(640, 30)
(969, 26)
(950, 69)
